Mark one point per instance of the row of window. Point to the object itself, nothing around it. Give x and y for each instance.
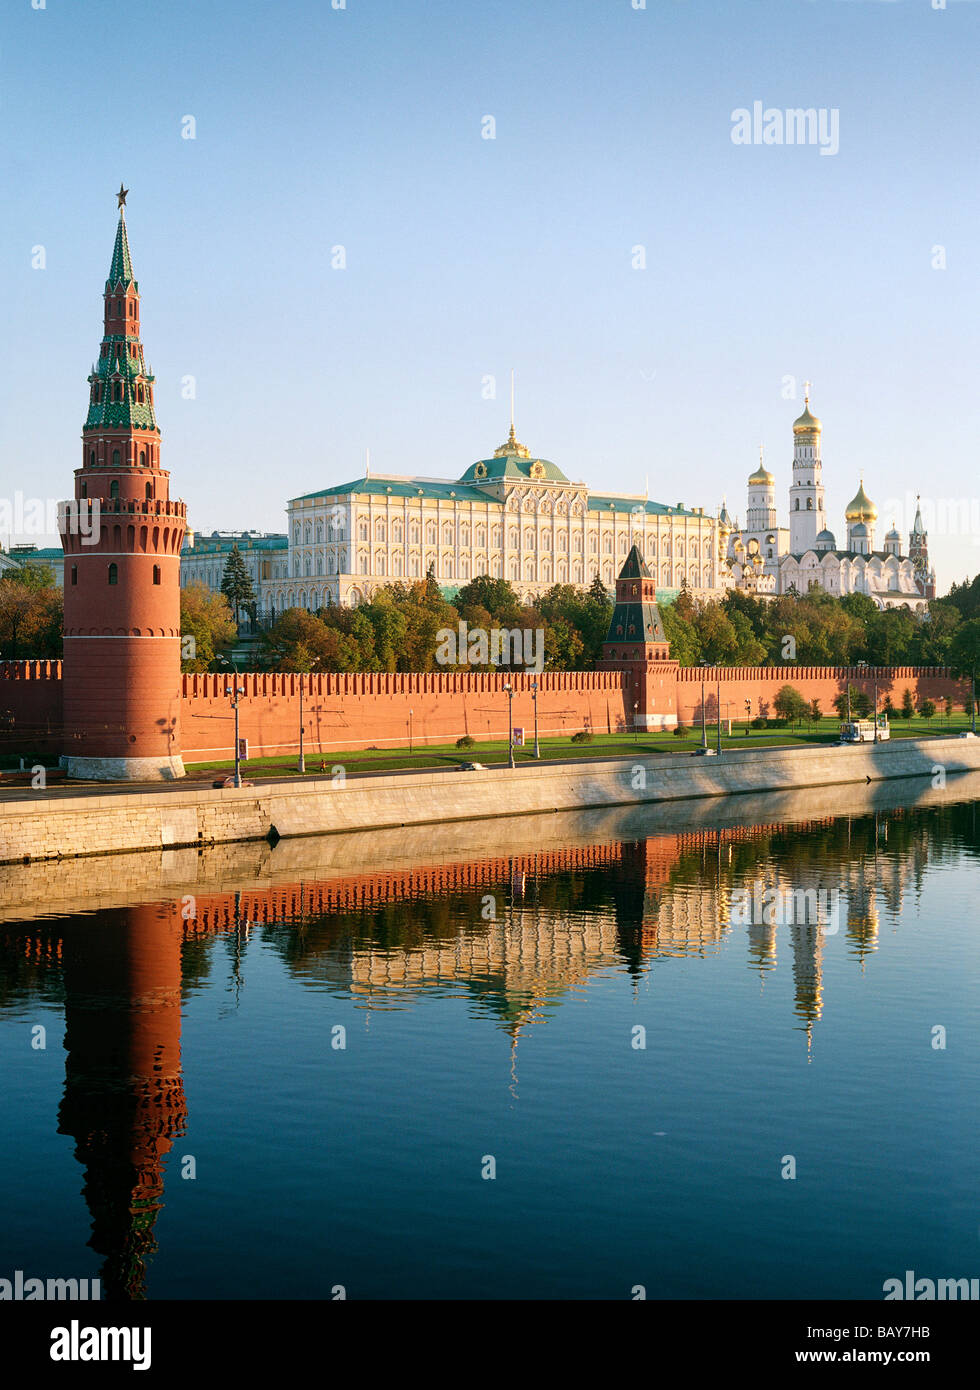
(145, 458)
(141, 394)
(308, 534)
(112, 576)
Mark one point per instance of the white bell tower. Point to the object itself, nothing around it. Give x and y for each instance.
(807, 515)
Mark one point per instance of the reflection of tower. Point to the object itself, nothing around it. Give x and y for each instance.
(124, 1096)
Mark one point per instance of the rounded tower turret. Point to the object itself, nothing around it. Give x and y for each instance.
(122, 535)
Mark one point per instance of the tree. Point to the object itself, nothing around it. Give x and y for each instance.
(236, 583)
(816, 713)
(206, 618)
(908, 705)
(964, 650)
(790, 704)
(927, 709)
(31, 615)
(860, 703)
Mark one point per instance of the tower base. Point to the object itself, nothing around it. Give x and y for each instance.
(167, 769)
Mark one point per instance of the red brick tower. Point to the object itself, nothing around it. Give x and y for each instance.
(636, 643)
(121, 537)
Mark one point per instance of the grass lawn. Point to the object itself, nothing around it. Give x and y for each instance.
(602, 746)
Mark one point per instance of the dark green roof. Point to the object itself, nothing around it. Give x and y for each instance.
(635, 567)
(629, 504)
(122, 265)
(218, 544)
(513, 466)
(381, 487)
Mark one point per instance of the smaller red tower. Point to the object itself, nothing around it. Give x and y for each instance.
(636, 643)
(121, 535)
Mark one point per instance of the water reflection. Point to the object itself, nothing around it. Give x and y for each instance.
(514, 929)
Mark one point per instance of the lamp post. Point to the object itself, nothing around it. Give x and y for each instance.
(301, 766)
(239, 690)
(718, 698)
(411, 716)
(704, 727)
(876, 706)
(534, 697)
(748, 716)
(510, 724)
(636, 707)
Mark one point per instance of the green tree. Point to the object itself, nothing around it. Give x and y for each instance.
(790, 704)
(908, 705)
(236, 583)
(206, 619)
(927, 709)
(31, 615)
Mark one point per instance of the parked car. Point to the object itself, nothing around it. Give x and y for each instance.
(471, 767)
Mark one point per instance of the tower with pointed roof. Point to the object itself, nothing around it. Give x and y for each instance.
(919, 553)
(807, 512)
(637, 644)
(122, 535)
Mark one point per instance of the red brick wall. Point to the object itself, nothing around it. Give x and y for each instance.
(30, 707)
(361, 711)
(760, 684)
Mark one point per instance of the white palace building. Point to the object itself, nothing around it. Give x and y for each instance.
(517, 517)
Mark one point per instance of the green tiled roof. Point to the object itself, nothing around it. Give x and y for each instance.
(117, 365)
(122, 265)
(382, 487)
(216, 545)
(625, 505)
(513, 466)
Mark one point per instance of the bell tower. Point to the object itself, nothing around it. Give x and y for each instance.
(121, 535)
(807, 513)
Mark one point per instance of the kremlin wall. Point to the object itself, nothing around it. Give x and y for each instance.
(351, 712)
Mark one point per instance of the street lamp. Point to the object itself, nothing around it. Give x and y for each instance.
(301, 766)
(411, 716)
(704, 727)
(510, 723)
(748, 716)
(239, 690)
(636, 707)
(718, 700)
(534, 697)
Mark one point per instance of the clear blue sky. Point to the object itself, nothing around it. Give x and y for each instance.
(466, 257)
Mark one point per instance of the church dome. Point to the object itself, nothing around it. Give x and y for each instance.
(859, 531)
(894, 534)
(762, 475)
(826, 540)
(861, 507)
(807, 423)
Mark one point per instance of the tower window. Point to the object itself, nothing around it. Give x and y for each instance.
(113, 574)
(118, 306)
(114, 489)
(84, 489)
(143, 454)
(809, 504)
(797, 505)
(117, 390)
(156, 574)
(139, 394)
(91, 458)
(115, 458)
(149, 491)
(74, 574)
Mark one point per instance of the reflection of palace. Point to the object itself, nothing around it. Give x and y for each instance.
(562, 917)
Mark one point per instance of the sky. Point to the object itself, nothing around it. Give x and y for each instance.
(660, 291)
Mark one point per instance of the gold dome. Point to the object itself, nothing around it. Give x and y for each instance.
(807, 423)
(762, 475)
(861, 507)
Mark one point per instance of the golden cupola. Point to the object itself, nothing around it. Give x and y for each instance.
(807, 423)
(861, 507)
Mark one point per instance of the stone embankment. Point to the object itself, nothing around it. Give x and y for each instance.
(52, 825)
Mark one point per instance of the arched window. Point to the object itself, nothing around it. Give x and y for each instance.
(796, 504)
(809, 504)
(113, 574)
(149, 492)
(84, 489)
(142, 458)
(74, 574)
(115, 458)
(156, 574)
(117, 393)
(114, 488)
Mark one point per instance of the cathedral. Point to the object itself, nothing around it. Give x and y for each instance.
(765, 558)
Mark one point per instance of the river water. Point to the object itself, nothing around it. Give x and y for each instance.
(721, 1049)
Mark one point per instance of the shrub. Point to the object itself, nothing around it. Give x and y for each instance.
(760, 722)
(583, 736)
(681, 730)
(777, 723)
(466, 742)
(927, 709)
